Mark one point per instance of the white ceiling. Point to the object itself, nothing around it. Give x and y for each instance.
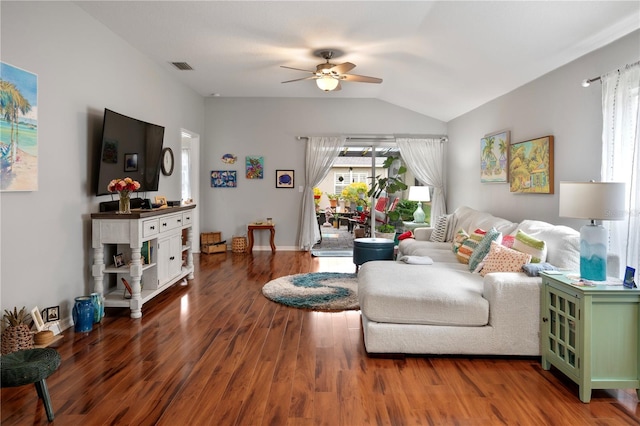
(438, 58)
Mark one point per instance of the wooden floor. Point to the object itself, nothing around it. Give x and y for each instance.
(216, 352)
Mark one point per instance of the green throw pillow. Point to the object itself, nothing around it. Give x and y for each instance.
(525, 243)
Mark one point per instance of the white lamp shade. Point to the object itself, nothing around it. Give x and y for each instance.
(327, 83)
(419, 193)
(592, 200)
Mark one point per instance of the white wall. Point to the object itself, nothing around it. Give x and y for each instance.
(82, 68)
(268, 127)
(555, 104)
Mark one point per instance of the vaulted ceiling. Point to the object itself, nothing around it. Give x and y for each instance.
(438, 58)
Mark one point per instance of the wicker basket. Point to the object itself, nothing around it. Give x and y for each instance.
(239, 244)
(16, 338)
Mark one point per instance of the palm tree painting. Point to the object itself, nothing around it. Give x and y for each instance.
(18, 129)
(493, 157)
(531, 166)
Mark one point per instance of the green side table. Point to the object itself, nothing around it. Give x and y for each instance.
(590, 334)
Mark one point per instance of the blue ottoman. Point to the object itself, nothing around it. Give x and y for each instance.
(366, 249)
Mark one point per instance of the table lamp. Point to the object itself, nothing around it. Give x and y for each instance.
(593, 201)
(419, 194)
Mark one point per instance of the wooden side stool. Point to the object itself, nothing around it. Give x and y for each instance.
(31, 366)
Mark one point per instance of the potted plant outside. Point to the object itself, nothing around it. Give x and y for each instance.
(389, 184)
(354, 192)
(333, 199)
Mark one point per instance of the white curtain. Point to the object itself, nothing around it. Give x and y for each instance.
(425, 159)
(320, 154)
(621, 158)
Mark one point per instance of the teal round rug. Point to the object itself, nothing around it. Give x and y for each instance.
(318, 291)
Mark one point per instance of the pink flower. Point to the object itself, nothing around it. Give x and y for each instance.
(126, 184)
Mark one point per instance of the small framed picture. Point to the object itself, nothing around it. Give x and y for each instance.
(131, 162)
(284, 179)
(161, 200)
(52, 314)
(37, 319)
(118, 260)
(629, 275)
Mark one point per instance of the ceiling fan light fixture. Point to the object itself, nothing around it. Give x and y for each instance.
(327, 83)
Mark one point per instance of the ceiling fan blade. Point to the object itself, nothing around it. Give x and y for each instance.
(360, 78)
(300, 79)
(297, 69)
(343, 68)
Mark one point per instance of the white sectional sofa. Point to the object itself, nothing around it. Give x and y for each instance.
(443, 308)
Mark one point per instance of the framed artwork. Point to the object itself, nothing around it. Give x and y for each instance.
(110, 151)
(161, 200)
(531, 166)
(37, 319)
(494, 152)
(131, 162)
(629, 275)
(284, 178)
(118, 260)
(255, 167)
(229, 158)
(19, 131)
(52, 313)
(224, 179)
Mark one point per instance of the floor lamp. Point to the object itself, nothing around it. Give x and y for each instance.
(593, 201)
(419, 194)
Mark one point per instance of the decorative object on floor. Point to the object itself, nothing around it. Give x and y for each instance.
(224, 179)
(331, 253)
(124, 187)
(531, 166)
(494, 149)
(98, 307)
(82, 314)
(593, 201)
(212, 242)
(239, 244)
(284, 179)
(16, 335)
(19, 156)
(419, 194)
(31, 366)
(318, 291)
(254, 167)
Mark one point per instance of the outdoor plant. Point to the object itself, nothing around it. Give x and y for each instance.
(389, 184)
(354, 191)
(333, 196)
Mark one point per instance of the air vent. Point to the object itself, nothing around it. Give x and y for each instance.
(182, 66)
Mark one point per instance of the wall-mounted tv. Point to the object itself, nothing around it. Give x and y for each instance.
(129, 148)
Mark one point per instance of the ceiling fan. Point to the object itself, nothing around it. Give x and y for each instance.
(328, 76)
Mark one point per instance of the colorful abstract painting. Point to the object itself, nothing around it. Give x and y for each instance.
(18, 129)
(494, 150)
(531, 166)
(224, 179)
(255, 167)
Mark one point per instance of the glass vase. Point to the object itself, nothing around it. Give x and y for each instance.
(125, 202)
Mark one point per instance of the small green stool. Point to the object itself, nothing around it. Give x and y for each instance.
(31, 366)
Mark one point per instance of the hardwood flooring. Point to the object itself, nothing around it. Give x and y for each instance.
(216, 352)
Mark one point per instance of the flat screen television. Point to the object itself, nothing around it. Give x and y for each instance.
(129, 148)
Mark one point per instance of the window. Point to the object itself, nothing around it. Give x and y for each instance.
(342, 179)
(186, 170)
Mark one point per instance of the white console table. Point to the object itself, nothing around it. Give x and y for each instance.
(167, 258)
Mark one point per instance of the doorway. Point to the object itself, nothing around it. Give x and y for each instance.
(190, 185)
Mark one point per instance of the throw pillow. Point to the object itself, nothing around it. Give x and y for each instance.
(406, 235)
(503, 259)
(534, 269)
(482, 249)
(527, 244)
(439, 233)
(459, 238)
(466, 249)
(507, 240)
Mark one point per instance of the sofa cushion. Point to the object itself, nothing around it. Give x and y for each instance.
(483, 247)
(469, 219)
(525, 243)
(563, 243)
(439, 233)
(425, 294)
(459, 238)
(439, 252)
(503, 259)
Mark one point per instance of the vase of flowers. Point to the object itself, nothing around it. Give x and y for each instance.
(124, 187)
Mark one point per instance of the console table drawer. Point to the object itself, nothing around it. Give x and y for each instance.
(150, 228)
(187, 218)
(170, 222)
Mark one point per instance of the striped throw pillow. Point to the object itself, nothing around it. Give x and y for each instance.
(439, 234)
(466, 249)
(525, 243)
